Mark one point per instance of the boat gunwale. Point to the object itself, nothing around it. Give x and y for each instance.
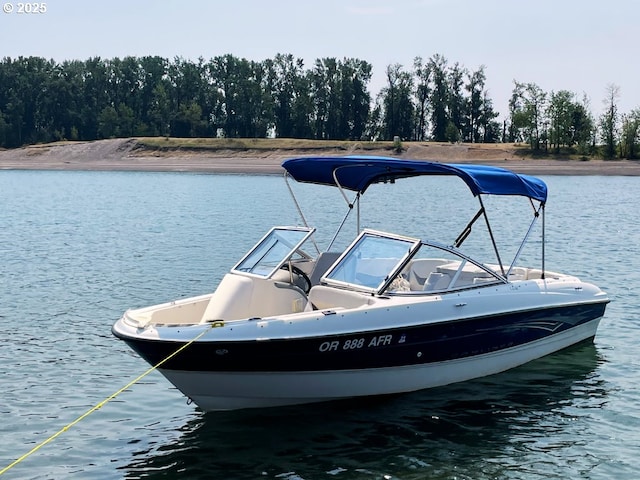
(337, 311)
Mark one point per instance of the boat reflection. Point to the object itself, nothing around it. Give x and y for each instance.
(465, 430)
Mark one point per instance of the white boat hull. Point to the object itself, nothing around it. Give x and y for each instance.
(214, 391)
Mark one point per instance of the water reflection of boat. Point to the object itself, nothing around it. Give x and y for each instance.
(389, 314)
(457, 430)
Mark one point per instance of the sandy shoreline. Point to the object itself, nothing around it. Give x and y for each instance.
(125, 155)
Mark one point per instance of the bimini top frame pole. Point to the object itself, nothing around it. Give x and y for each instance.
(344, 220)
(483, 213)
(536, 214)
(493, 240)
(295, 202)
(356, 203)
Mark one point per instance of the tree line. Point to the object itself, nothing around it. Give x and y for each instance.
(43, 100)
(557, 121)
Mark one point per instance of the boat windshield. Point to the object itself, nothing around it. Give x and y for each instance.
(275, 248)
(370, 260)
(436, 268)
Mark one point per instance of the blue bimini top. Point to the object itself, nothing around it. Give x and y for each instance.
(358, 172)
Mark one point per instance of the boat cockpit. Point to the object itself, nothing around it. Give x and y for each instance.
(277, 276)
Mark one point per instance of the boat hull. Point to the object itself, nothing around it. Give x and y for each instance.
(215, 391)
(225, 375)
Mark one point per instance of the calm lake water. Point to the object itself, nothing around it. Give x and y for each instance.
(79, 248)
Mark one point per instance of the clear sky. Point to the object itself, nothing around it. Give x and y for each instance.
(577, 45)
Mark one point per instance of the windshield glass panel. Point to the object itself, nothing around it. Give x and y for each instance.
(273, 250)
(436, 269)
(370, 260)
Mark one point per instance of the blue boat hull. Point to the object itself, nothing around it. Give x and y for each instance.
(392, 347)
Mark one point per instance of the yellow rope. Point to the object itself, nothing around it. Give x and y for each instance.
(102, 403)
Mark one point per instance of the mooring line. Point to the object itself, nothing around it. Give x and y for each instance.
(103, 402)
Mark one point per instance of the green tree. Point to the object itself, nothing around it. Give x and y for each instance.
(488, 127)
(630, 135)
(95, 98)
(374, 128)
(456, 103)
(398, 109)
(259, 115)
(25, 83)
(609, 122)
(517, 117)
(439, 98)
(527, 112)
(325, 94)
(422, 74)
(290, 90)
(108, 123)
(339, 98)
(154, 100)
(14, 113)
(535, 102)
(4, 129)
(475, 105)
(560, 114)
(452, 132)
(355, 98)
(283, 70)
(570, 124)
(127, 123)
(188, 87)
(302, 110)
(126, 80)
(66, 97)
(246, 108)
(188, 121)
(583, 127)
(159, 110)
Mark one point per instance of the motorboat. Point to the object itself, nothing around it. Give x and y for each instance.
(294, 323)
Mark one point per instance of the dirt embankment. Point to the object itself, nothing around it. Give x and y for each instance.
(132, 155)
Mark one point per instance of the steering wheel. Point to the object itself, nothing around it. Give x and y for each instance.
(300, 273)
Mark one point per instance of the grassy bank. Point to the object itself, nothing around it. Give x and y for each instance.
(259, 144)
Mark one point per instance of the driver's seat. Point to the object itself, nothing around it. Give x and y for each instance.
(323, 262)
